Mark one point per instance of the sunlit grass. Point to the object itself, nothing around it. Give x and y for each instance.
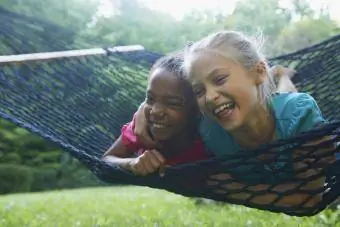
(136, 206)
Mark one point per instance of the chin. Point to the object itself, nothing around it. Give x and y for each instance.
(231, 125)
(161, 136)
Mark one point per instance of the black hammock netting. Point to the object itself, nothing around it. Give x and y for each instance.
(80, 103)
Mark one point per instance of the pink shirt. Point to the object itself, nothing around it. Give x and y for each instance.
(194, 153)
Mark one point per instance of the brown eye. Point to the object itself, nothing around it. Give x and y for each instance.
(174, 103)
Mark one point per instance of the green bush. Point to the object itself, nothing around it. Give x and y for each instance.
(15, 178)
(50, 178)
(44, 179)
(11, 158)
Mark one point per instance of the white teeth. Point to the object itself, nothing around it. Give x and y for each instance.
(158, 125)
(230, 105)
(219, 109)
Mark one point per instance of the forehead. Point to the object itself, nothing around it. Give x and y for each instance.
(203, 64)
(163, 82)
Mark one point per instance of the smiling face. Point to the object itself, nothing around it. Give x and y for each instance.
(165, 109)
(225, 91)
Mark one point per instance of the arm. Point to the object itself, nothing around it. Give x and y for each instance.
(150, 161)
(123, 148)
(121, 151)
(140, 130)
(118, 154)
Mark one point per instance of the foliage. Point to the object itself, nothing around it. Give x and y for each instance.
(15, 178)
(50, 167)
(74, 14)
(304, 33)
(136, 206)
(67, 175)
(18, 146)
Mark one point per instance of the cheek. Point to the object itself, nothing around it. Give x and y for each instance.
(242, 90)
(177, 116)
(245, 97)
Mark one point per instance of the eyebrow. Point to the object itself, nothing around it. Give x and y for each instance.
(175, 97)
(216, 71)
(168, 96)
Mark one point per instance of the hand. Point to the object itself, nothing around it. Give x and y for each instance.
(149, 162)
(141, 130)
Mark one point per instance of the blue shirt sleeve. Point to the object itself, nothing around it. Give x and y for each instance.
(305, 114)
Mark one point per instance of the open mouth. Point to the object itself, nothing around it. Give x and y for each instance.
(225, 110)
(158, 125)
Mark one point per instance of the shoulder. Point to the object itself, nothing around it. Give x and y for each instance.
(285, 100)
(215, 138)
(209, 129)
(129, 138)
(296, 112)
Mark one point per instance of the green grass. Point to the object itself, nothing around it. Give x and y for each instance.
(137, 207)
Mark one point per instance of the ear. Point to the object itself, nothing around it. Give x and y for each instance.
(260, 73)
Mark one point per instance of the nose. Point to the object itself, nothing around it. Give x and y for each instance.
(211, 95)
(157, 111)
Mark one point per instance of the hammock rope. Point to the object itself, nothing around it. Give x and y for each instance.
(80, 103)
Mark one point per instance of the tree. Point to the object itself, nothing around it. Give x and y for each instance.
(256, 17)
(71, 14)
(304, 33)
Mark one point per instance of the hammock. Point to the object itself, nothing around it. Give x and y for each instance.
(80, 103)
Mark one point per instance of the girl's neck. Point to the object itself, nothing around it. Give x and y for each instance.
(260, 129)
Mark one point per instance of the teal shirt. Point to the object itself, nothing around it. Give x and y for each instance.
(293, 112)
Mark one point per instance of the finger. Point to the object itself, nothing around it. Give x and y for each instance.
(146, 166)
(157, 160)
(154, 161)
(161, 170)
(142, 167)
(146, 160)
(133, 169)
(158, 156)
(137, 170)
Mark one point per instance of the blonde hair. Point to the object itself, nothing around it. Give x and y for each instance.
(237, 47)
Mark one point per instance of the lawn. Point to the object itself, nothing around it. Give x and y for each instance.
(137, 207)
